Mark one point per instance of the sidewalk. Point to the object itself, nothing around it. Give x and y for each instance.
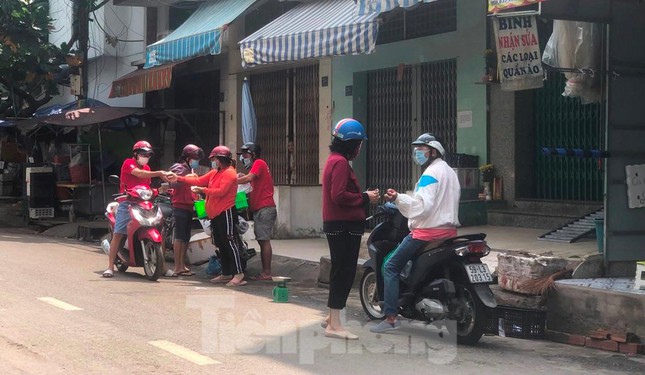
(500, 239)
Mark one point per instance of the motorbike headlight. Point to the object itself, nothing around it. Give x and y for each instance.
(145, 194)
(150, 218)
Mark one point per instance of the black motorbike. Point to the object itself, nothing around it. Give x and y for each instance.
(164, 201)
(446, 281)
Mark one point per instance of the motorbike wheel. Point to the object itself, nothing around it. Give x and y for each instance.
(470, 325)
(369, 295)
(153, 267)
(168, 238)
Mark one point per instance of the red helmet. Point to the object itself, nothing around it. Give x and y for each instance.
(142, 146)
(191, 151)
(221, 152)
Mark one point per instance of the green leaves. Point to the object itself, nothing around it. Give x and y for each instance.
(27, 59)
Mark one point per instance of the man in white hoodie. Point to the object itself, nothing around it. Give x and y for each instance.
(432, 212)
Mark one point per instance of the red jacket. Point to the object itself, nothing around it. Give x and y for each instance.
(221, 188)
(343, 199)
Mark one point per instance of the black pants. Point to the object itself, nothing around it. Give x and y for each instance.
(224, 229)
(343, 249)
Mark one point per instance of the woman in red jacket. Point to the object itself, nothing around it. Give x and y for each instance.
(220, 187)
(343, 207)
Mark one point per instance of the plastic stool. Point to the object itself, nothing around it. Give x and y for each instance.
(639, 280)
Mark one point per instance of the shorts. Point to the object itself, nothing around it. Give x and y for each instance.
(122, 218)
(183, 224)
(263, 222)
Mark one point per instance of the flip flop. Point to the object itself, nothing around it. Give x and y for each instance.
(108, 273)
(186, 273)
(236, 283)
(220, 280)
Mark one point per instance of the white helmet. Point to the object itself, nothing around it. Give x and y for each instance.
(428, 139)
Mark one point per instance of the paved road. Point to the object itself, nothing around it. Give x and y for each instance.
(57, 315)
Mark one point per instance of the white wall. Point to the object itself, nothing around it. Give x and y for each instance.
(299, 211)
(107, 63)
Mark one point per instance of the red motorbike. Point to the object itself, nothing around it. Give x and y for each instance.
(143, 243)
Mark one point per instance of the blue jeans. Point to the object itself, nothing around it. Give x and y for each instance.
(122, 218)
(392, 269)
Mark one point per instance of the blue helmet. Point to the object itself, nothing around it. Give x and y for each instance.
(349, 129)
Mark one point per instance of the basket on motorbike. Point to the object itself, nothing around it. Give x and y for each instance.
(517, 322)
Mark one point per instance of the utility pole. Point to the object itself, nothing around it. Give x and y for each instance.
(83, 44)
(81, 27)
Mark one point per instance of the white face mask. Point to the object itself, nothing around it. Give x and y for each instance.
(247, 162)
(143, 160)
(215, 164)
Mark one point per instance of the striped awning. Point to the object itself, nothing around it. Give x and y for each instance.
(311, 30)
(380, 6)
(142, 80)
(199, 35)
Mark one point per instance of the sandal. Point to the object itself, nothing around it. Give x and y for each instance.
(235, 282)
(108, 273)
(221, 279)
(185, 273)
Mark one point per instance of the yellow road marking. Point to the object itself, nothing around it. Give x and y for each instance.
(184, 353)
(60, 304)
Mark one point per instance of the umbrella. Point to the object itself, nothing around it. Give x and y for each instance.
(249, 122)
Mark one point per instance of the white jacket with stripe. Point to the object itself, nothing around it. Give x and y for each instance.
(435, 201)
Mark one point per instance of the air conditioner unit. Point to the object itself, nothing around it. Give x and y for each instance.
(163, 34)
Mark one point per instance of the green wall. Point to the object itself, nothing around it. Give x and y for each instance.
(467, 45)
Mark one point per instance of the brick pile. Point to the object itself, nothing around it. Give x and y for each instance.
(623, 342)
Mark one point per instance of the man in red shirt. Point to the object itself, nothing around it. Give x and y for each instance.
(134, 171)
(261, 202)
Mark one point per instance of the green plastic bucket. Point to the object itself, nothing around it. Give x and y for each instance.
(241, 202)
(200, 209)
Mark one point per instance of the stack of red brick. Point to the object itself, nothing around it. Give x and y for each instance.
(623, 342)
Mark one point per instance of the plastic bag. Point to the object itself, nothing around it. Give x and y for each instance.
(214, 266)
(206, 224)
(246, 188)
(242, 225)
(576, 45)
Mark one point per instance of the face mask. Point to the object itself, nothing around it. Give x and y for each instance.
(194, 164)
(143, 160)
(420, 157)
(215, 164)
(247, 163)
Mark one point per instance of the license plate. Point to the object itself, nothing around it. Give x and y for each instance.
(478, 273)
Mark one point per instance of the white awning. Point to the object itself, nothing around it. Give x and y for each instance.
(312, 30)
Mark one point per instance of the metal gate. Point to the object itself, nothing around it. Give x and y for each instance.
(565, 122)
(305, 127)
(286, 107)
(403, 103)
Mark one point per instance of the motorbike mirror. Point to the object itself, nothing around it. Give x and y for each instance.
(113, 179)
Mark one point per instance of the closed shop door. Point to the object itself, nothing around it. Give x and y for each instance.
(403, 103)
(286, 107)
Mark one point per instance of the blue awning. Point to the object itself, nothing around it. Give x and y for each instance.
(380, 6)
(200, 35)
(311, 30)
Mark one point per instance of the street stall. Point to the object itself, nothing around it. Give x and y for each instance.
(70, 146)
